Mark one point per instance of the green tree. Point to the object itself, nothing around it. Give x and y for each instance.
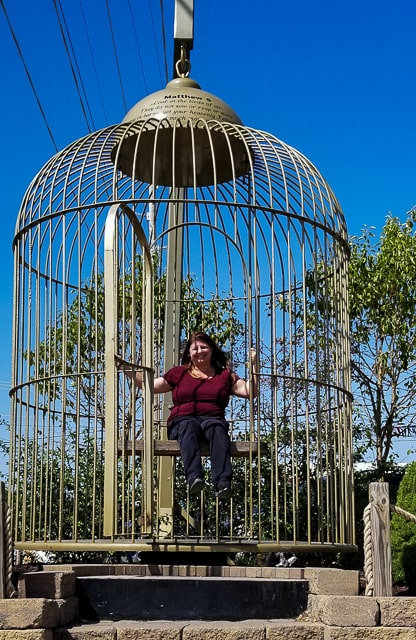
(382, 296)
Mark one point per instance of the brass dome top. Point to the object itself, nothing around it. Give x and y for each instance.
(182, 99)
(181, 136)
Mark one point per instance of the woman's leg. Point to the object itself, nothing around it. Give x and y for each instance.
(215, 431)
(188, 433)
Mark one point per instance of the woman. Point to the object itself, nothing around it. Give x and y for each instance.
(201, 387)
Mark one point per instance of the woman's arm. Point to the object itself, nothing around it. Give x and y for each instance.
(159, 384)
(241, 388)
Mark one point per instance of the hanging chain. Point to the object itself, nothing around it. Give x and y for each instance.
(183, 66)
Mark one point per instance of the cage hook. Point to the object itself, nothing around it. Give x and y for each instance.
(183, 66)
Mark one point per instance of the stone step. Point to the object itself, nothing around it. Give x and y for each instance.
(322, 581)
(193, 630)
(189, 598)
(244, 630)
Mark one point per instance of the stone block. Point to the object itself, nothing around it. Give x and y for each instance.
(50, 584)
(238, 572)
(291, 573)
(244, 630)
(157, 630)
(82, 569)
(98, 631)
(344, 611)
(68, 610)
(369, 633)
(397, 612)
(294, 630)
(29, 613)
(153, 570)
(130, 570)
(27, 634)
(36, 613)
(335, 582)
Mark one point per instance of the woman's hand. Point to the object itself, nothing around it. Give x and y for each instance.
(129, 370)
(119, 362)
(159, 384)
(123, 365)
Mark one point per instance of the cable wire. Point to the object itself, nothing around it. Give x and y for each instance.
(162, 15)
(79, 85)
(138, 46)
(93, 62)
(29, 77)
(116, 56)
(154, 37)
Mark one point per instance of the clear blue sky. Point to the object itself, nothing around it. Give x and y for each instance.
(336, 80)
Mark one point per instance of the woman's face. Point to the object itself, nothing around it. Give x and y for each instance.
(200, 353)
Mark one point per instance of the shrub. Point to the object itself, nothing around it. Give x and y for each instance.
(403, 532)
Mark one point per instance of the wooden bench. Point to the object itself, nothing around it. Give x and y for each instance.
(239, 448)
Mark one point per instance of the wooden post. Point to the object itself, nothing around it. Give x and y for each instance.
(380, 538)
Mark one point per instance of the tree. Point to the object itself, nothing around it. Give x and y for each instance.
(382, 296)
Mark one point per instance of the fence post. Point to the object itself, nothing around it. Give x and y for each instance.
(380, 538)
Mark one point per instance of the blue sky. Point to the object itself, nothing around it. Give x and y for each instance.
(336, 80)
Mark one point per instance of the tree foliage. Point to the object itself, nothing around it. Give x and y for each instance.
(403, 532)
(382, 296)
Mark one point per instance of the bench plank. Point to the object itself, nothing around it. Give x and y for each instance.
(239, 448)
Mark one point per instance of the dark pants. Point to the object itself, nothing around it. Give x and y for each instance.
(189, 431)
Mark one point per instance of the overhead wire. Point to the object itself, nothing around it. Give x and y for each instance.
(162, 16)
(75, 68)
(154, 37)
(116, 55)
(93, 62)
(138, 46)
(79, 85)
(29, 77)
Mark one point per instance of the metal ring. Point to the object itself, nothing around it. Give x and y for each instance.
(183, 67)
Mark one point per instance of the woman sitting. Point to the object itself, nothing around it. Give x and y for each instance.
(201, 388)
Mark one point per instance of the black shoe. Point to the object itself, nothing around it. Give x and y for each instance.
(224, 493)
(196, 485)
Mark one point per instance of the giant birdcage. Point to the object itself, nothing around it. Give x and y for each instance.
(180, 218)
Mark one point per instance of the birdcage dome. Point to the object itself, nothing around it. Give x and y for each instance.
(247, 167)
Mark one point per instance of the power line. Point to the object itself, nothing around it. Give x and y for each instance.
(16, 42)
(93, 61)
(154, 37)
(116, 56)
(79, 85)
(137, 45)
(162, 15)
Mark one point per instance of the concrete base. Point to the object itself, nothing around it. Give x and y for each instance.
(169, 598)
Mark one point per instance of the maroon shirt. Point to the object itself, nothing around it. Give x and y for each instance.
(196, 397)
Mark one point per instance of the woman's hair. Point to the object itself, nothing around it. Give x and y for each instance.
(219, 359)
